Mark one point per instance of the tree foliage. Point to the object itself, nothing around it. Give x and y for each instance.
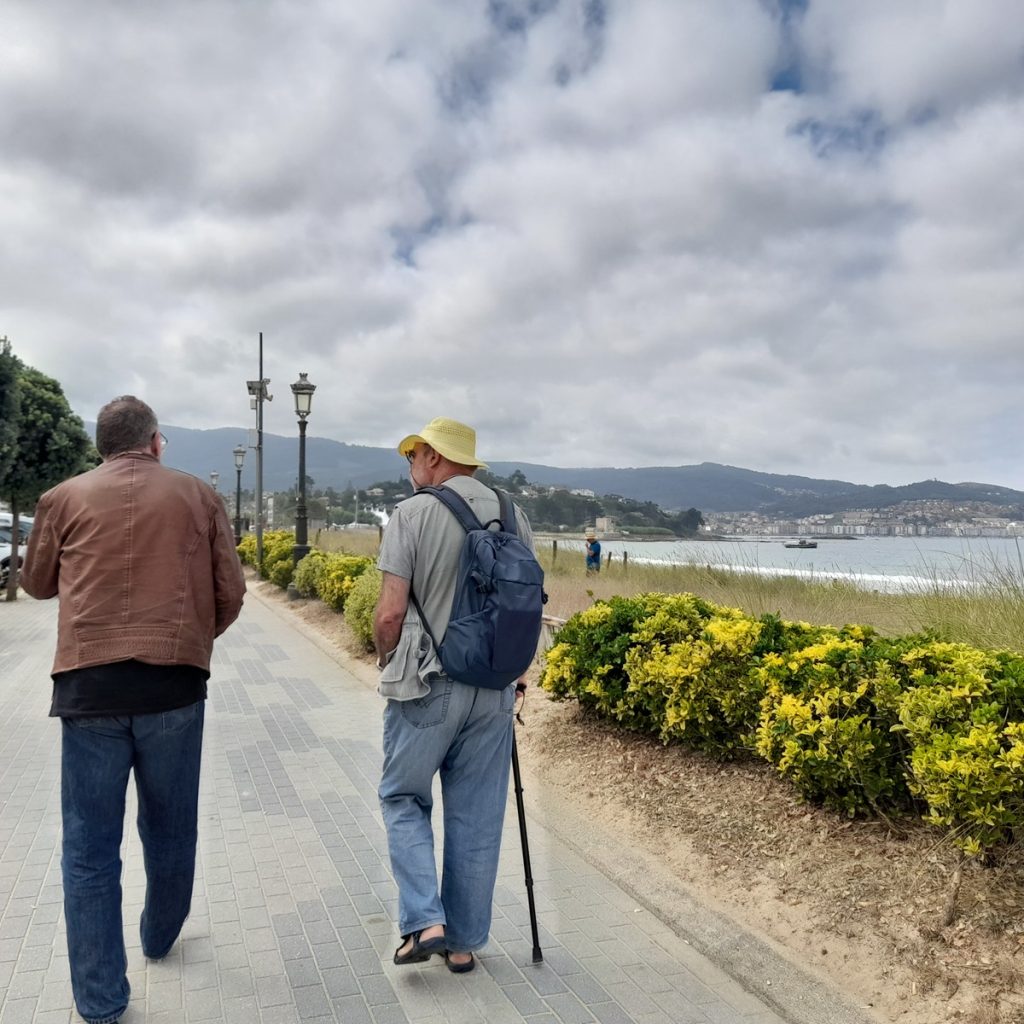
(9, 405)
(552, 508)
(50, 445)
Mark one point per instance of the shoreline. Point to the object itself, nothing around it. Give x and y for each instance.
(620, 538)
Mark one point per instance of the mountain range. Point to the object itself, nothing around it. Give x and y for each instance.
(709, 486)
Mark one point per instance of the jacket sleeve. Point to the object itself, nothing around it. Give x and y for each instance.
(228, 578)
(40, 573)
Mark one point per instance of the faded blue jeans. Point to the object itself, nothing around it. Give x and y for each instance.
(465, 733)
(97, 754)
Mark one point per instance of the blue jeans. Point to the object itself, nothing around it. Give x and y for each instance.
(465, 733)
(96, 756)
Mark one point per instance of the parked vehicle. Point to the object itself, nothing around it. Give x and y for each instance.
(7, 545)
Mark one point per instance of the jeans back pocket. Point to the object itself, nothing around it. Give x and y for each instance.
(431, 709)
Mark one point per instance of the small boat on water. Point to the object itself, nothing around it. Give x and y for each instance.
(801, 543)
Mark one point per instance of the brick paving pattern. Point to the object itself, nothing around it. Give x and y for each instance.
(292, 917)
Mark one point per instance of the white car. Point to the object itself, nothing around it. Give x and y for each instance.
(6, 542)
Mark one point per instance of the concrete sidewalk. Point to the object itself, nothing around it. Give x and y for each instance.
(292, 918)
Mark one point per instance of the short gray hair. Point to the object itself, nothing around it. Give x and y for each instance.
(124, 424)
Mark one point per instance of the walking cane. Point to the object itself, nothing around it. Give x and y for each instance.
(538, 956)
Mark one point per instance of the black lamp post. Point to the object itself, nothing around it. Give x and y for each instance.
(239, 453)
(303, 390)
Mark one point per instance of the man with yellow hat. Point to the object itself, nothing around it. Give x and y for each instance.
(432, 723)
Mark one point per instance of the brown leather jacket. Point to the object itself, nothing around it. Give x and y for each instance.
(144, 562)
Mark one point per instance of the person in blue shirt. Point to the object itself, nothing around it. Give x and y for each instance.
(593, 553)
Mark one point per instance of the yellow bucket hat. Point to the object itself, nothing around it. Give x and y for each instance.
(454, 440)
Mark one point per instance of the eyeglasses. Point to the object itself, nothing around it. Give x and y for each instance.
(411, 456)
(163, 440)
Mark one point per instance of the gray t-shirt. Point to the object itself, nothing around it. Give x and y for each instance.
(423, 540)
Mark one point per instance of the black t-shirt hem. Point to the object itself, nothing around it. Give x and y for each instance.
(126, 688)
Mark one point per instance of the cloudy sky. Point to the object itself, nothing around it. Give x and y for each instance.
(782, 235)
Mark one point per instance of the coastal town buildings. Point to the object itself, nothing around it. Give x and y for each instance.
(933, 518)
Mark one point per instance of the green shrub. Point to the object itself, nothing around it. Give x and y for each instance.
(701, 686)
(856, 721)
(339, 576)
(826, 722)
(672, 664)
(280, 573)
(309, 572)
(278, 546)
(588, 659)
(247, 549)
(962, 716)
(361, 605)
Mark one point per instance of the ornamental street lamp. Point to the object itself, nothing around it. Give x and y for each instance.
(214, 477)
(239, 453)
(303, 390)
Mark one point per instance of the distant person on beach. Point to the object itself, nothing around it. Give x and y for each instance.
(593, 553)
(143, 560)
(434, 724)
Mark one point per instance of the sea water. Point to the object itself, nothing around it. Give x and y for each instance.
(890, 564)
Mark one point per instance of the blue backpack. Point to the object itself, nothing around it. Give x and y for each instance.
(499, 598)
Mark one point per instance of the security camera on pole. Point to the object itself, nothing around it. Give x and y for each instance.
(258, 395)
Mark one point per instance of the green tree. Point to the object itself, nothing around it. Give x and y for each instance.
(690, 521)
(51, 445)
(9, 405)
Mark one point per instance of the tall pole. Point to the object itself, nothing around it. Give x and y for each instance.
(238, 505)
(259, 463)
(301, 537)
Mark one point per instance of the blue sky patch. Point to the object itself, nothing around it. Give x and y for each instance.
(864, 132)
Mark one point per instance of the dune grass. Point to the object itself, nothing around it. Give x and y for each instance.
(985, 610)
(350, 542)
(824, 602)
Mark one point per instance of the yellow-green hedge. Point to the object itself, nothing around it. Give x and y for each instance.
(309, 572)
(858, 722)
(330, 577)
(361, 604)
(277, 563)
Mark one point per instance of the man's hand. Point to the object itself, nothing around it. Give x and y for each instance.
(520, 694)
(387, 620)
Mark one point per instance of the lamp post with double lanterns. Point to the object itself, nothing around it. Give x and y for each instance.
(303, 390)
(239, 453)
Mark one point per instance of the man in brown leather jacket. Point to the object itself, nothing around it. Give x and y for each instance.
(144, 564)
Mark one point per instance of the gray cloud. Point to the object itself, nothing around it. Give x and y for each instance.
(589, 227)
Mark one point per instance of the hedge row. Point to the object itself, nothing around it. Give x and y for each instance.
(858, 722)
(277, 565)
(348, 583)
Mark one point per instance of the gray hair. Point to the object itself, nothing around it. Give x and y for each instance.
(124, 424)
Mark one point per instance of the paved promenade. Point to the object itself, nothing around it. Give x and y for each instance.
(292, 918)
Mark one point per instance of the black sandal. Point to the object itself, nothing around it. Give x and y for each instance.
(459, 968)
(419, 952)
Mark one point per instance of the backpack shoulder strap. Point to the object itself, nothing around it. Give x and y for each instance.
(459, 507)
(456, 504)
(507, 512)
